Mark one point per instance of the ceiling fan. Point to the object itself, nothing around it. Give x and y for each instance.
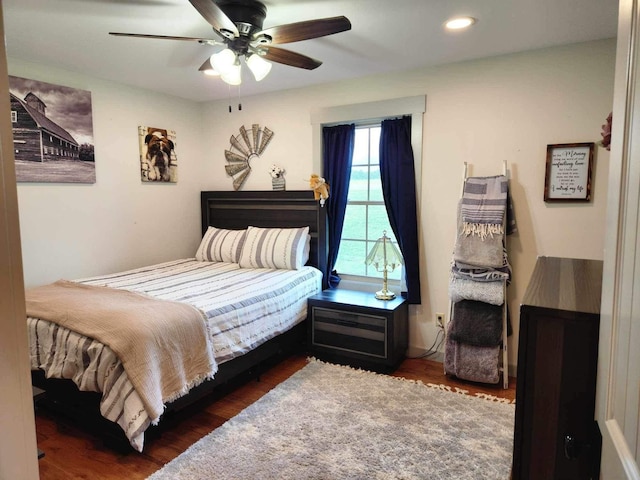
(238, 24)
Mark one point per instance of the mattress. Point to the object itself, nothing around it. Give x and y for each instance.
(243, 308)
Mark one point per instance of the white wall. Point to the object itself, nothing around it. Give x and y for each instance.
(74, 230)
(482, 112)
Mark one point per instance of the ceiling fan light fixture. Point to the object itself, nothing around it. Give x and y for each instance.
(223, 60)
(459, 23)
(233, 75)
(238, 24)
(208, 69)
(258, 66)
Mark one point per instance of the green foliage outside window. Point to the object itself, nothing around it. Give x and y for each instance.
(366, 216)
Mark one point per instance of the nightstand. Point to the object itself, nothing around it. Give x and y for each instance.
(355, 328)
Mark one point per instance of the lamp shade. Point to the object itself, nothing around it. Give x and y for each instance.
(212, 72)
(207, 68)
(258, 66)
(385, 257)
(223, 61)
(384, 253)
(233, 75)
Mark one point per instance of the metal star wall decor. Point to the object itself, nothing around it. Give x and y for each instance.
(248, 144)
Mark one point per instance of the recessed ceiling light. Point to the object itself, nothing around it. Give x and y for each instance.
(459, 23)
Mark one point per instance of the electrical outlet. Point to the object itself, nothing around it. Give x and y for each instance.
(440, 320)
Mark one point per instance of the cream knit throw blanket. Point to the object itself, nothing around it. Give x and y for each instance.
(164, 346)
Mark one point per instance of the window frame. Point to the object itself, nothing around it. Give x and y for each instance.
(363, 114)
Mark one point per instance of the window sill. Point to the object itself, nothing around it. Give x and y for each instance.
(367, 284)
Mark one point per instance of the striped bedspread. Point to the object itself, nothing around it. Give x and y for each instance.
(244, 308)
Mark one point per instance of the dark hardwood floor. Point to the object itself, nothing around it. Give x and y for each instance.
(72, 453)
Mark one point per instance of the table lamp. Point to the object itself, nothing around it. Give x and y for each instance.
(385, 257)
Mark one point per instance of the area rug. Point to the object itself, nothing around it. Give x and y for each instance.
(330, 422)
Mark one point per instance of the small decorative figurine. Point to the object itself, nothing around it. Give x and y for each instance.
(320, 188)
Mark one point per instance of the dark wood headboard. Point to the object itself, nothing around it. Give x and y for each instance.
(285, 209)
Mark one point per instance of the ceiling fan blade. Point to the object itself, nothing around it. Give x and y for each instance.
(206, 65)
(295, 32)
(208, 41)
(287, 57)
(213, 14)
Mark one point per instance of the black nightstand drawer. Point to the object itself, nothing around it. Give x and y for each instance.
(351, 332)
(355, 328)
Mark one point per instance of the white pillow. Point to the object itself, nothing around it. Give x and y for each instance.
(220, 245)
(279, 248)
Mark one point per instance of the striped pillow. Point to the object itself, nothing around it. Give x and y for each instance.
(220, 245)
(279, 248)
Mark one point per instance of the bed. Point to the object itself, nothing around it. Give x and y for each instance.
(236, 324)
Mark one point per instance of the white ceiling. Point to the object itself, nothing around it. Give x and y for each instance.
(386, 36)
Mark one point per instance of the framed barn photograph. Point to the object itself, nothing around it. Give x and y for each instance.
(158, 160)
(52, 132)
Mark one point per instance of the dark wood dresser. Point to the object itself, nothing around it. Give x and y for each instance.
(556, 436)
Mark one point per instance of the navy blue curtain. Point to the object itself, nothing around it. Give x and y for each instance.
(397, 173)
(337, 144)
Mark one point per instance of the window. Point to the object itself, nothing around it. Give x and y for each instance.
(362, 229)
(366, 216)
(14, 116)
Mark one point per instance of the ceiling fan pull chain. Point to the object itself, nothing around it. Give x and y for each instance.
(239, 104)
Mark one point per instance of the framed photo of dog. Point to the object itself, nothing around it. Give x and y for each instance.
(158, 159)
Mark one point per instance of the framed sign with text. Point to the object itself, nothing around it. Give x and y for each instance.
(568, 172)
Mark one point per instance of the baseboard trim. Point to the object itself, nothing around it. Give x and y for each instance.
(418, 352)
